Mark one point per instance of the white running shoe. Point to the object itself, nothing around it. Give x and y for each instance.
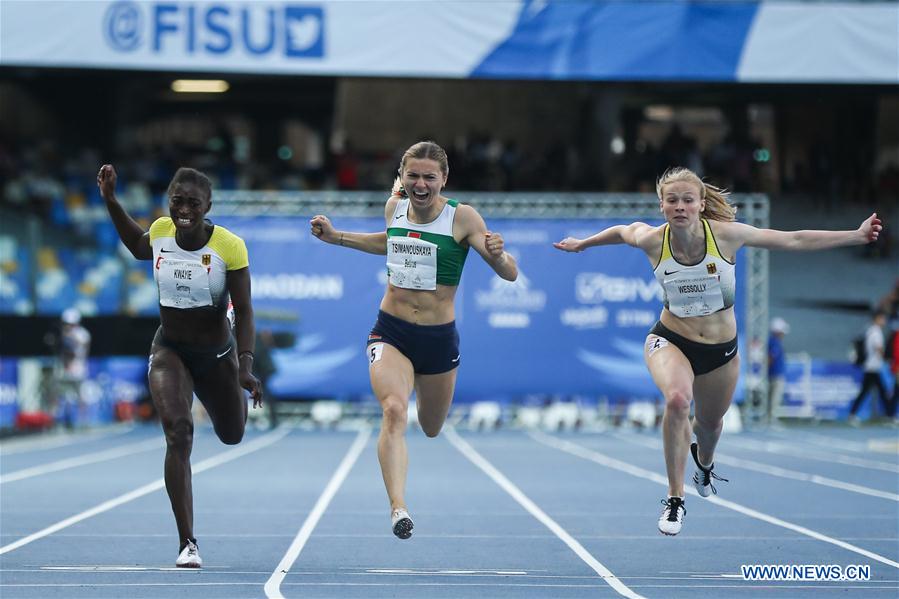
(189, 556)
(702, 476)
(672, 517)
(401, 523)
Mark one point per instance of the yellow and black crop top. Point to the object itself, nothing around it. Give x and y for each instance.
(194, 279)
(696, 289)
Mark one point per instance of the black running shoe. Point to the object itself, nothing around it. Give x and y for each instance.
(702, 476)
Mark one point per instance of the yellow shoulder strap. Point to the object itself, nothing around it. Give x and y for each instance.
(666, 245)
(162, 227)
(711, 246)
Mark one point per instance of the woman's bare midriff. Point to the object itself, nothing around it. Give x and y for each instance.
(719, 327)
(420, 306)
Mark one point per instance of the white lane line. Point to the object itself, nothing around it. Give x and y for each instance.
(694, 586)
(821, 456)
(195, 572)
(518, 495)
(817, 479)
(884, 445)
(217, 460)
(818, 439)
(52, 441)
(606, 537)
(433, 572)
(609, 462)
(89, 458)
(831, 442)
(273, 584)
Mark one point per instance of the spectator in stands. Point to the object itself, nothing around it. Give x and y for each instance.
(692, 351)
(414, 343)
(73, 348)
(777, 366)
(197, 266)
(872, 367)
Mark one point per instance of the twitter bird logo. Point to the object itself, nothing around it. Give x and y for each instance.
(305, 31)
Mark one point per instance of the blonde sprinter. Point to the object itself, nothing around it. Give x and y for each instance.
(414, 344)
(691, 352)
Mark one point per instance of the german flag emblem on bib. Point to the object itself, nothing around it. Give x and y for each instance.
(207, 259)
(711, 268)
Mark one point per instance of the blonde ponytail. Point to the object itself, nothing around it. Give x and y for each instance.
(717, 206)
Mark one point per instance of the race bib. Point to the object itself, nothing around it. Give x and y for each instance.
(412, 263)
(694, 296)
(183, 284)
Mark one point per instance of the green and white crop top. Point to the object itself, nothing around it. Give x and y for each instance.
(422, 256)
(698, 289)
(194, 279)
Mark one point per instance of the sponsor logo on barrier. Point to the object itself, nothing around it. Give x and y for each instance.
(585, 318)
(508, 295)
(258, 29)
(297, 286)
(635, 318)
(596, 288)
(509, 320)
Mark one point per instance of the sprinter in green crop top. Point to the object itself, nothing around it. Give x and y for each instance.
(414, 343)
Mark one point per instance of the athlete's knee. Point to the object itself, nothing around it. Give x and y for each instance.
(677, 402)
(430, 429)
(179, 434)
(708, 424)
(395, 412)
(231, 436)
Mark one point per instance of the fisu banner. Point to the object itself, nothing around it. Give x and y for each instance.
(571, 323)
(777, 41)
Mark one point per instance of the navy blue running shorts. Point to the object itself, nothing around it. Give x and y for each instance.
(432, 349)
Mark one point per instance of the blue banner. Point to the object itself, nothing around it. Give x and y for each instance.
(826, 389)
(572, 324)
(9, 392)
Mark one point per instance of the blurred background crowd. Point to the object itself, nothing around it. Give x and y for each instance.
(825, 153)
